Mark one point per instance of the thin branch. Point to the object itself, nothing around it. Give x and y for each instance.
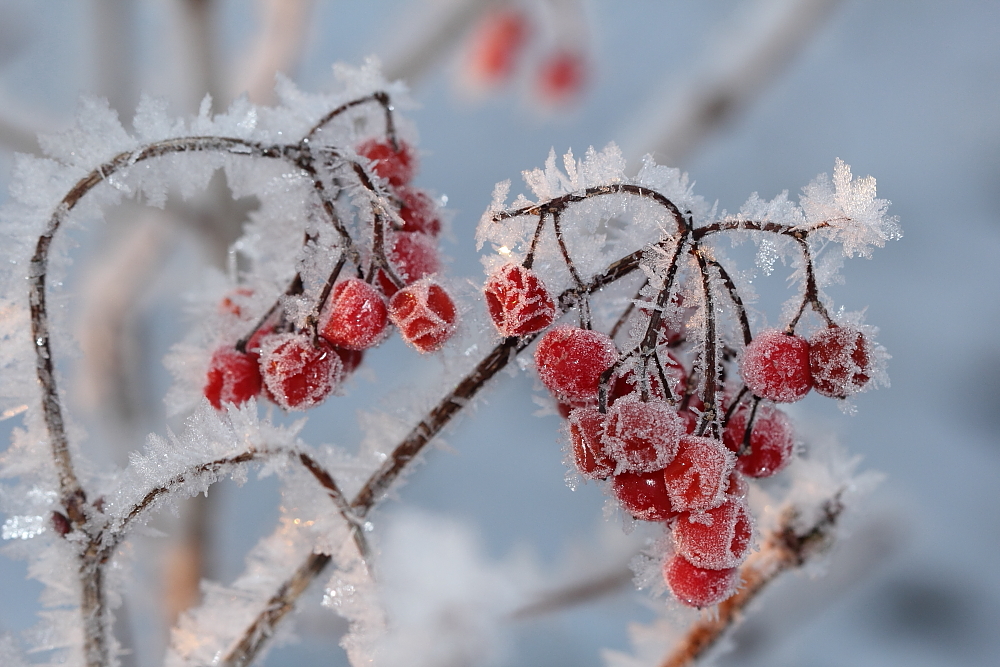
(784, 549)
(710, 364)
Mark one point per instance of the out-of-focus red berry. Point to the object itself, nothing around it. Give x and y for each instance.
(775, 365)
(396, 166)
(496, 44)
(413, 256)
(586, 429)
(561, 76)
(233, 377)
(418, 212)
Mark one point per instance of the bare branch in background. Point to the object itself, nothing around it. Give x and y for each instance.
(277, 49)
(765, 37)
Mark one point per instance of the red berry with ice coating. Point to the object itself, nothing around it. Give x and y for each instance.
(698, 476)
(718, 538)
(351, 359)
(697, 586)
(586, 429)
(298, 374)
(417, 211)
(775, 365)
(518, 302)
(643, 495)
(233, 377)
(413, 256)
(395, 165)
(642, 437)
(425, 315)
(839, 358)
(355, 317)
(772, 440)
(570, 361)
(676, 376)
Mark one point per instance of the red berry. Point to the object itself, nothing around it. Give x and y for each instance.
(775, 365)
(570, 361)
(396, 166)
(355, 317)
(642, 437)
(839, 358)
(586, 429)
(496, 44)
(643, 495)
(351, 359)
(561, 76)
(698, 476)
(233, 377)
(417, 211)
(413, 256)
(672, 368)
(297, 374)
(699, 587)
(716, 539)
(424, 314)
(772, 440)
(518, 302)
(737, 485)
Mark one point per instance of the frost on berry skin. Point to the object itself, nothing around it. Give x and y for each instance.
(586, 430)
(698, 476)
(233, 377)
(396, 166)
(775, 366)
(356, 316)
(413, 256)
(425, 315)
(570, 361)
(718, 538)
(642, 437)
(297, 374)
(626, 384)
(518, 302)
(417, 211)
(696, 586)
(839, 359)
(772, 440)
(643, 495)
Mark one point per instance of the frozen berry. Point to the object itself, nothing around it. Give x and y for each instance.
(355, 317)
(839, 358)
(418, 212)
(425, 315)
(233, 377)
(351, 359)
(772, 440)
(697, 586)
(396, 166)
(413, 256)
(698, 476)
(586, 429)
(518, 302)
(718, 538)
(643, 495)
(570, 361)
(298, 374)
(775, 365)
(642, 437)
(737, 485)
(676, 376)
(496, 44)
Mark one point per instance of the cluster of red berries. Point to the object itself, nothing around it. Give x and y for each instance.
(298, 369)
(644, 439)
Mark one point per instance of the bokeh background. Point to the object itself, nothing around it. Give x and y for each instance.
(747, 96)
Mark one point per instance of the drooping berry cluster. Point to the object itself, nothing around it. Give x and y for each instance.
(297, 364)
(679, 417)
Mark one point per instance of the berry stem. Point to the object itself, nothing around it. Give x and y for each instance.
(811, 296)
(380, 96)
(529, 259)
(710, 365)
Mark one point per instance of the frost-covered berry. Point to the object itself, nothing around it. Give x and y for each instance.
(413, 256)
(298, 374)
(737, 485)
(839, 358)
(642, 437)
(417, 211)
(676, 376)
(715, 539)
(775, 365)
(233, 377)
(697, 477)
(425, 315)
(396, 166)
(517, 301)
(697, 586)
(351, 359)
(772, 440)
(586, 429)
(355, 317)
(643, 495)
(570, 361)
